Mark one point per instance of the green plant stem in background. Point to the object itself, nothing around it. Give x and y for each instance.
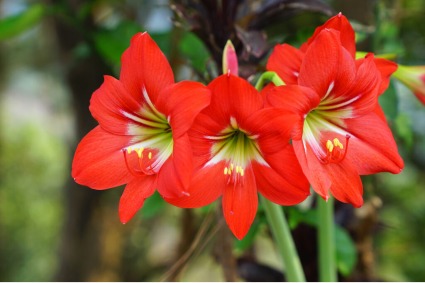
(276, 217)
(284, 241)
(268, 76)
(326, 237)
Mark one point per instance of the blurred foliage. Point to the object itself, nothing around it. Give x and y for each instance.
(35, 163)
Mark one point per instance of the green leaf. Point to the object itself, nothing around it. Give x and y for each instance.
(297, 216)
(15, 24)
(152, 206)
(346, 253)
(112, 43)
(403, 127)
(193, 49)
(389, 102)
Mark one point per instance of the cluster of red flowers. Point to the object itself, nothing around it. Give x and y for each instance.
(195, 143)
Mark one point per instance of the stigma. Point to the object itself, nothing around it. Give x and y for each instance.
(335, 150)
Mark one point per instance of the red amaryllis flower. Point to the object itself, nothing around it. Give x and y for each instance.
(241, 149)
(339, 135)
(142, 138)
(414, 78)
(286, 60)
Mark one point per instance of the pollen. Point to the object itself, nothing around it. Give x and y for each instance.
(329, 146)
(225, 170)
(338, 143)
(150, 155)
(139, 152)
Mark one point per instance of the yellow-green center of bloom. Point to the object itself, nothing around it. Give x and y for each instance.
(152, 138)
(328, 116)
(237, 148)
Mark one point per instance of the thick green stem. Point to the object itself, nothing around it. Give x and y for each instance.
(268, 76)
(327, 251)
(284, 241)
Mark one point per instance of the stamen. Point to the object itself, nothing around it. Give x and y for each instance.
(234, 176)
(335, 150)
(145, 167)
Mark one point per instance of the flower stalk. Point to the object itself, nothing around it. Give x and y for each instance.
(284, 241)
(269, 76)
(276, 217)
(326, 240)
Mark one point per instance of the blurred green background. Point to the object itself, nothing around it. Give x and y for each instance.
(53, 55)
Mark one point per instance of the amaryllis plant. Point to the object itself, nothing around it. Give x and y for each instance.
(317, 123)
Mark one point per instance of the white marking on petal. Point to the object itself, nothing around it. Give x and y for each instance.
(330, 88)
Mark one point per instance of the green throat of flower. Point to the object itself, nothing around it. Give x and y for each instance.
(318, 122)
(152, 139)
(237, 148)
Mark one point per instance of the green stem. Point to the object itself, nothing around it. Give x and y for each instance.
(327, 251)
(284, 241)
(268, 76)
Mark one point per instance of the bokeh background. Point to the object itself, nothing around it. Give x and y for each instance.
(53, 55)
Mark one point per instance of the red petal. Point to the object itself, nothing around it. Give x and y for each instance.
(99, 162)
(273, 127)
(372, 148)
(365, 88)
(206, 186)
(293, 99)
(346, 183)
(320, 65)
(297, 99)
(386, 68)
(203, 126)
(232, 97)
(283, 182)
(174, 175)
(313, 169)
(145, 66)
(341, 24)
(181, 102)
(240, 204)
(134, 196)
(286, 60)
(107, 104)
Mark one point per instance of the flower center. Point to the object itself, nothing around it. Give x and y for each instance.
(237, 148)
(152, 140)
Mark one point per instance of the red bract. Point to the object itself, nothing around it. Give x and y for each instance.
(340, 133)
(242, 148)
(142, 138)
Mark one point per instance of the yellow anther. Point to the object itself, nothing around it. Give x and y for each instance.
(129, 149)
(231, 166)
(139, 152)
(338, 143)
(237, 169)
(329, 146)
(150, 155)
(226, 170)
(242, 172)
